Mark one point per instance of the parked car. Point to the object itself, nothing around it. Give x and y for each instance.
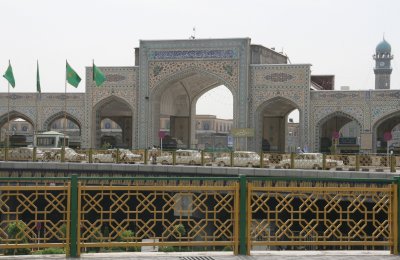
(110, 156)
(104, 157)
(24, 154)
(127, 156)
(191, 157)
(310, 161)
(70, 155)
(241, 159)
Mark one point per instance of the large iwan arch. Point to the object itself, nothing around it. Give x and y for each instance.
(176, 97)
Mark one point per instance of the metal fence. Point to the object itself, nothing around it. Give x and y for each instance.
(293, 214)
(83, 214)
(351, 162)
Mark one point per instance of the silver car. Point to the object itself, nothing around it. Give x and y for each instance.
(191, 157)
(241, 159)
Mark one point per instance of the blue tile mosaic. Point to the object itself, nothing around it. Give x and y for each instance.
(193, 54)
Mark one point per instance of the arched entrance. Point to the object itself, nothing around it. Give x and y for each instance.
(388, 124)
(65, 123)
(338, 133)
(214, 120)
(173, 104)
(20, 130)
(119, 114)
(271, 124)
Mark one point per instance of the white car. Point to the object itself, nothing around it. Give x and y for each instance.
(126, 156)
(109, 156)
(70, 155)
(24, 154)
(241, 159)
(310, 161)
(106, 157)
(191, 157)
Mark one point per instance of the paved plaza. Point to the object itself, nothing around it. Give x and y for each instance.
(270, 255)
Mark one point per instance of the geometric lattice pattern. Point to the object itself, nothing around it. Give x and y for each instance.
(365, 161)
(39, 215)
(288, 213)
(179, 215)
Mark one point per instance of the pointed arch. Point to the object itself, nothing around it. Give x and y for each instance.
(283, 106)
(186, 73)
(384, 124)
(110, 99)
(334, 114)
(122, 113)
(13, 115)
(338, 114)
(185, 86)
(59, 115)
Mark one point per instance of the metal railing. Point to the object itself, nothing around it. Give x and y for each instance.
(238, 214)
(350, 162)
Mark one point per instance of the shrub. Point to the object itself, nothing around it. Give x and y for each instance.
(179, 230)
(125, 237)
(166, 249)
(16, 230)
(50, 251)
(62, 233)
(95, 236)
(227, 248)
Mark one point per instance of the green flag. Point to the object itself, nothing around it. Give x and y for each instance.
(9, 76)
(38, 78)
(72, 77)
(98, 76)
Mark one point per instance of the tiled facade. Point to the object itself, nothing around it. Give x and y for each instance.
(256, 84)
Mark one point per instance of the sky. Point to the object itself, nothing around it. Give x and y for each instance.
(338, 37)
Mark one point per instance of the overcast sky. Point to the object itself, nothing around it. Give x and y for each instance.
(337, 37)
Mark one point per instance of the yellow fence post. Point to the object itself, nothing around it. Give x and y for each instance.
(63, 154)
(146, 154)
(292, 161)
(392, 163)
(357, 162)
(261, 159)
(34, 157)
(117, 156)
(90, 155)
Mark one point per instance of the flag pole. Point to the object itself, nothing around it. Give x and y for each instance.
(65, 107)
(93, 134)
(35, 130)
(8, 116)
(36, 121)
